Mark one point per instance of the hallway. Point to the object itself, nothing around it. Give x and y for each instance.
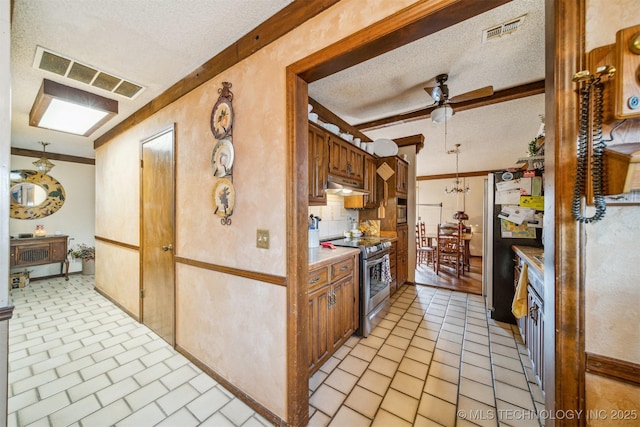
(77, 359)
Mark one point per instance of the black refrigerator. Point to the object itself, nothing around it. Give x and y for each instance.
(498, 260)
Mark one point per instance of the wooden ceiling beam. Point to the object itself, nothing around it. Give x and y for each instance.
(51, 156)
(417, 140)
(504, 95)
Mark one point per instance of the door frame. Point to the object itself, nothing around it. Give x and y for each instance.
(171, 128)
(564, 50)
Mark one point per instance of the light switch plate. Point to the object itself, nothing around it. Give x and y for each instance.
(262, 239)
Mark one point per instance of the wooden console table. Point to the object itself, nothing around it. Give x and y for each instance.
(27, 252)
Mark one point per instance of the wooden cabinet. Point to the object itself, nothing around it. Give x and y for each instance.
(402, 256)
(402, 177)
(393, 267)
(318, 165)
(370, 200)
(345, 159)
(333, 308)
(33, 251)
(531, 326)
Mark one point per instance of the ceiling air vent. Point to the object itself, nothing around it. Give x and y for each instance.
(498, 31)
(52, 62)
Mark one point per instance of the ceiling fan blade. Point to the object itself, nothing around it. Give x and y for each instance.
(434, 92)
(478, 93)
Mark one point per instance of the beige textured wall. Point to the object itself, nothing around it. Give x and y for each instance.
(612, 295)
(611, 403)
(118, 275)
(237, 326)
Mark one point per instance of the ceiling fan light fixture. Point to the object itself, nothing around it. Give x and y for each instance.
(67, 109)
(442, 113)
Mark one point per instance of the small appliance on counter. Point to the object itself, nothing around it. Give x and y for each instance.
(314, 231)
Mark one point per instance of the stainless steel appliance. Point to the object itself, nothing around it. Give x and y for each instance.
(402, 213)
(374, 279)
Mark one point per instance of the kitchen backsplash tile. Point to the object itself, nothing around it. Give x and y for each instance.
(335, 218)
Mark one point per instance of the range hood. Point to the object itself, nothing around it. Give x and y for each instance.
(343, 187)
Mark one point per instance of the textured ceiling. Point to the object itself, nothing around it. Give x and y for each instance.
(151, 43)
(393, 84)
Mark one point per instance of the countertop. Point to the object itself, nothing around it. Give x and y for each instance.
(318, 256)
(529, 254)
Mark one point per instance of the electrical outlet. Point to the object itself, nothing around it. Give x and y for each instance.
(262, 239)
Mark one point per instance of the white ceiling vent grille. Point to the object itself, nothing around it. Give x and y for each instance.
(498, 31)
(52, 62)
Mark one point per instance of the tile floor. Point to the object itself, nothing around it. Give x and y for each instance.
(435, 360)
(76, 359)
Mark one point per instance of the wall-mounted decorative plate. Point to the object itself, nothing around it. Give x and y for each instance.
(222, 158)
(224, 197)
(222, 114)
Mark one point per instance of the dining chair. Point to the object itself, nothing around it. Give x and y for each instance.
(425, 254)
(449, 248)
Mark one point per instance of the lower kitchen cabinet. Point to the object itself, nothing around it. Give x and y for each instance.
(333, 308)
(531, 326)
(402, 257)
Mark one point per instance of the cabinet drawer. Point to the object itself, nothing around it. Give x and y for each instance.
(318, 277)
(341, 269)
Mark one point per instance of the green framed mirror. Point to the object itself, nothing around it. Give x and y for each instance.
(34, 195)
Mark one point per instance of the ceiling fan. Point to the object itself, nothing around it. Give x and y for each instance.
(440, 95)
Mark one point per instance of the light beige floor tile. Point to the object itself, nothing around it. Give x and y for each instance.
(402, 332)
(413, 317)
(387, 324)
(364, 401)
(478, 338)
(444, 372)
(425, 422)
(108, 415)
(316, 379)
(145, 395)
(423, 343)
(182, 418)
(375, 382)
(330, 365)
(442, 389)
(449, 346)
(363, 352)
(341, 381)
(237, 411)
(451, 359)
(353, 365)
(424, 332)
(349, 417)
(177, 398)
(500, 339)
(507, 376)
(393, 317)
(372, 341)
(451, 336)
(477, 391)
(408, 384)
(42, 408)
(380, 332)
(476, 373)
(319, 420)
(150, 415)
(386, 419)
(516, 416)
(384, 366)
(116, 391)
(505, 350)
(408, 324)
(327, 399)
(29, 397)
(400, 405)
(342, 352)
(507, 362)
(472, 412)
(476, 359)
(418, 354)
(474, 347)
(438, 410)
(514, 396)
(391, 353)
(75, 412)
(414, 368)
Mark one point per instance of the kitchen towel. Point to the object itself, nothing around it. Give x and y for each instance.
(386, 269)
(519, 306)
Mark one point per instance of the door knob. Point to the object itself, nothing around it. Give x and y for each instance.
(168, 247)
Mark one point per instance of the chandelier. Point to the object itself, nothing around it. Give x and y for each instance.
(43, 165)
(457, 184)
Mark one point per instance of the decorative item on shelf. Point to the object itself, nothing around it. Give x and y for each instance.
(457, 185)
(43, 165)
(222, 157)
(87, 254)
(40, 231)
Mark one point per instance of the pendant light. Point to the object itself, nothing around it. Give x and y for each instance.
(457, 185)
(43, 165)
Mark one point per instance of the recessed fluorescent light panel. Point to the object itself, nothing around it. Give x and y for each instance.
(66, 109)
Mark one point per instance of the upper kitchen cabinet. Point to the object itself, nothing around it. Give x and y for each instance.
(402, 177)
(346, 160)
(369, 200)
(318, 165)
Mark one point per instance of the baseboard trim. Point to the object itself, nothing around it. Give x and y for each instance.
(120, 306)
(615, 369)
(252, 403)
(6, 313)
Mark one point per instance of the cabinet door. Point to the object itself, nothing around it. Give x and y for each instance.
(318, 166)
(58, 251)
(402, 177)
(338, 157)
(355, 165)
(403, 237)
(370, 179)
(341, 312)
(534, 331)
(319, 323)
(402, 263)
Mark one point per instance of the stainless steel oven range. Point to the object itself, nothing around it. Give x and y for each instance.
(375, 278)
